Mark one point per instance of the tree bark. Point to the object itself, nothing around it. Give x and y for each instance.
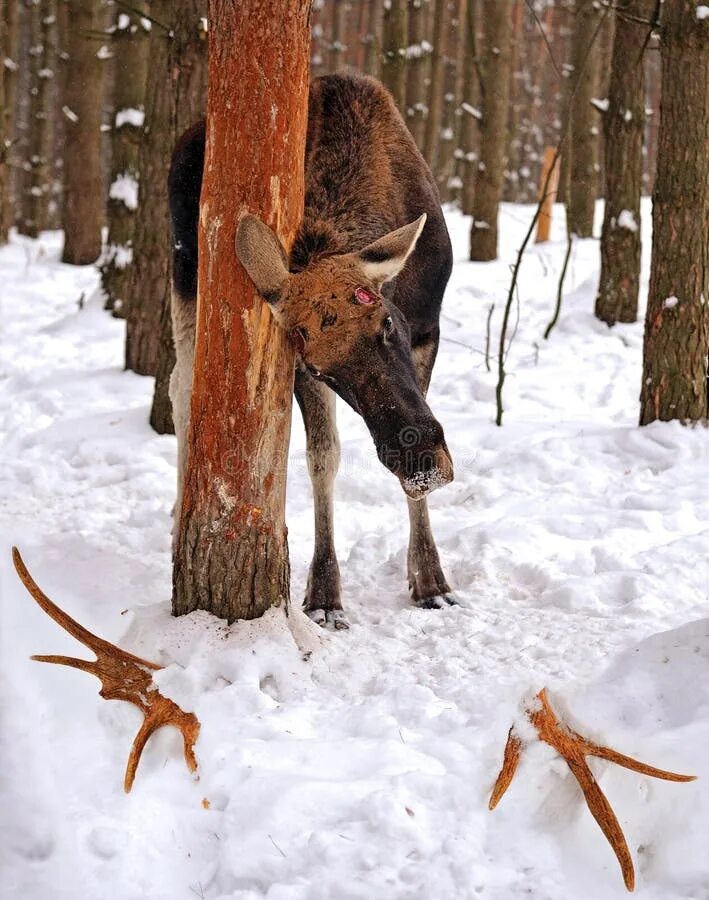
(416, 71)
(396, 35)
(583, 142)
(188, 64)
(8, 54)
(231, 552)
(174, 101)
(435, 88)
(4, 143)
(340, 14)
(130, 43)
(373, 53)
(676, 348)
(469, 111)
(83, 197)
(496, 63)
(623, 122)
(452, 92)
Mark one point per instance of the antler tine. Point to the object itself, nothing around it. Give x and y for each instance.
(123, 676)
(65, 621)
(574, 749)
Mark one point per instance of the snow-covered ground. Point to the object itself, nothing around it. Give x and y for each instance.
(577, 543)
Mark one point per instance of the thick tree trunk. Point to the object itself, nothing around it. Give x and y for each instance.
(231, 552)
(584, 122)
(373, 38)
(8, 54)
(338, 47)
(435, 87)
(676, 350)
(416, 71)
(498, 17)
(624, 122)
(188, 64)
(396, 36)
(174, 101)
(83, 197)
(130, 43)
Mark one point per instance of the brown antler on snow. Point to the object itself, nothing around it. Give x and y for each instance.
(574, 749)
(122, 676)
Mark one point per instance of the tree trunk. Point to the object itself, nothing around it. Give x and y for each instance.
(8, 54)
(583, 143)
(232, 553)
(469, 111)
(624, 122)
(188, 64)
(373, 54)
(676, 349)
(498, 16)
(42, 66)
(435, 88)
(416, 71)
(338, 48)
(174, 101)
(83, 197)
(130, 48)
(452, 90)
(396, 36)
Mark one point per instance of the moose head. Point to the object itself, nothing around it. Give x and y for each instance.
(348, 335)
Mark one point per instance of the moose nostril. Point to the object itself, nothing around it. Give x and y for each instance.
(435, 470)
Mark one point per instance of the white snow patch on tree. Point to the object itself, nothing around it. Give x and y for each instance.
(130, 116)
(600, 104)
(626, 219)
(702, 12)
(670, 302)
(125, 190)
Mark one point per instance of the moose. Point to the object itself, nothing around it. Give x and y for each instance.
(360, 298)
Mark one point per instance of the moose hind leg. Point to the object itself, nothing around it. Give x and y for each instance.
(317, 404)
(427, 583)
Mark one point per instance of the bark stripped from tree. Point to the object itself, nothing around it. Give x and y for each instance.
(584, 120)
(231, 552)
(497, 15)
(624, 122)
(130, 43)
(83, 197)
(676, 349)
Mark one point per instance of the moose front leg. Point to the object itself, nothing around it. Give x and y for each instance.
(427, 583)
(317, 404)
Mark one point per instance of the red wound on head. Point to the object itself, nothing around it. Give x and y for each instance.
(297, 338)
(365, 296)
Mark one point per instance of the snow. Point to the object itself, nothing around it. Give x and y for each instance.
(125, 189)
(358, 764)
(626, 219)
(670, 302)
(601, 104)
(702, 12)
(130, 116)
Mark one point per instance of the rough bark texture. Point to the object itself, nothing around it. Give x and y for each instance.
(42, 67)
(416, 71)
(174, 100)
(624, 122)
(231, 553)
(83, 197)
(130, 42)
(471, 101)
(8, 54)
(435, 87)
(396, 38)
(187, 63)
(453, 89)
(584, 121)
(373, 53)
(676, 349)
(340, 14)
(498, 18)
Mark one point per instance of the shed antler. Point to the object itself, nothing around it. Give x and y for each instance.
(122, 676)
(574, 749)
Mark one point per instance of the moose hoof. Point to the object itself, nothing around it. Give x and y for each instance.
(439, 601)
(334, 617)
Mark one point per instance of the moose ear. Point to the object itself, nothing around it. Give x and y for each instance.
(262, 255)
(384, 259)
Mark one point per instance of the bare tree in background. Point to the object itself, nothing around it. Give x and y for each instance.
(9, 23)
(676, 349)
(419, 51)
(583, 145)
(496, 59)
(373, 39)
(470, 112)
(624, 123)
(178, 48)
(396, 35)
(83, 208)
(435, 88)
(231, 550)
(130, 43)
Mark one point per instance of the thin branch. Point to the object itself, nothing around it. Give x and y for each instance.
(560, 288)
(487, 337)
